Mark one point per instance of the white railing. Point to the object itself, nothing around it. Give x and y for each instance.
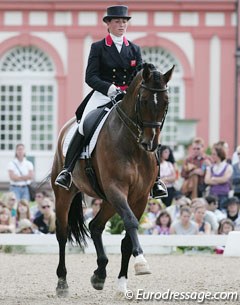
(150, 243)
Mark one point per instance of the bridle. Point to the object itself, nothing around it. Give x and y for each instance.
(140, 124)
(140, 121)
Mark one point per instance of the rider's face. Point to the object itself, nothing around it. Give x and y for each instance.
(117, 26)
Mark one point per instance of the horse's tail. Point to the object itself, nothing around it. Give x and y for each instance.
(77, 227)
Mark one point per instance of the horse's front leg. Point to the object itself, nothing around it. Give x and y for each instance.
(127, 248)
(96, 228)
(61, 234)
(131, 226)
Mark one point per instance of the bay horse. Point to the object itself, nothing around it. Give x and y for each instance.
(126, 168)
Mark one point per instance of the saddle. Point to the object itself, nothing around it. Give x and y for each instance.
(91, 122)
(93, 119)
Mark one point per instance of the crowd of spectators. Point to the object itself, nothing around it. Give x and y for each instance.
(207, 202)
(17, 216)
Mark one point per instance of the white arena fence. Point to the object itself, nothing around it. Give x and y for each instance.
(151, 244)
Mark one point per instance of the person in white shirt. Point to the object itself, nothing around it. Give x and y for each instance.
(21, 173)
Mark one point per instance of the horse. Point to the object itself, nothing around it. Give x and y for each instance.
(126, 167)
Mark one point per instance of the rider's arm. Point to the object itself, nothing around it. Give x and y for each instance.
(93, 70)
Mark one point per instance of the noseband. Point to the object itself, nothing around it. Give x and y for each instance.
(140, 121)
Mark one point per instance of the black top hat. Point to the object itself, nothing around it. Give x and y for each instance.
(117, 11)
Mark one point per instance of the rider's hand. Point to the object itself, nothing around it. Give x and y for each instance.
(112, 90)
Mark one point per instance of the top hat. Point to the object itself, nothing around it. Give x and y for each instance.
(117, 11)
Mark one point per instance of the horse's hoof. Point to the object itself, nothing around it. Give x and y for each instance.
(62, 288)
(141, 269)
(120, 295)
(97, 282)
(141, 266)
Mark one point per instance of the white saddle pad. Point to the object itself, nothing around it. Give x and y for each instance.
(87, 151)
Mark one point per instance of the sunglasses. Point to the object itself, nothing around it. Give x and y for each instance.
(45, 206)
(152, 203)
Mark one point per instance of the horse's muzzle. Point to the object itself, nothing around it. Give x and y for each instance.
(150, 140)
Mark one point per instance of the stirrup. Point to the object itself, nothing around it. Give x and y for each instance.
(159, 190)
(62, 179)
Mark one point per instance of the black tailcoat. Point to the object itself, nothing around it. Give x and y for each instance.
(106, 66)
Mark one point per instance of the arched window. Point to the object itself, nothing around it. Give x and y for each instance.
(27, 100)
(164, 60)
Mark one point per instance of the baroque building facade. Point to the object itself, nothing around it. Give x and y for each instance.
(44, 46)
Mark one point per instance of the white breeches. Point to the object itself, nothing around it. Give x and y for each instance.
(96, 100)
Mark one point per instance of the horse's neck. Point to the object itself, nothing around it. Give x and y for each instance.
(129, 101)
(128, 106)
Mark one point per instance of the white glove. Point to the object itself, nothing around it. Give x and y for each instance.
(112, 90)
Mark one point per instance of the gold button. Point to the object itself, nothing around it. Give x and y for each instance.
(124, 83)
(114, 70)
(125, 70)
(124, 76)
(113, 83)
(114, 76)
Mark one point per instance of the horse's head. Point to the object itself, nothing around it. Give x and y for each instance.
(152, 105)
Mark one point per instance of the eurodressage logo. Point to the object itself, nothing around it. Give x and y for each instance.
(200, 296)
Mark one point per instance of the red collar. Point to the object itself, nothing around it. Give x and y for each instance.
(109, 41)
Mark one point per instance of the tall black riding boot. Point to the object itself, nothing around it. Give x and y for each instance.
(159, 188)
(64, 179)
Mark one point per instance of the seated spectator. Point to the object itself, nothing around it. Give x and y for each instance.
(225, 146)
(5, 221)
(36, 208)
(154, 208)
(179, 201)
(193, 170)
(25, 227)
(225, 227)
(212, 206)
(163, 223)
(2, 205)
(218, 176)
(10, 201)
(184, 226)
(23, 211)
(208, 216)
(233, 212)
(95, 208)
(236, 175)
(45, 223)
(199, 211)
(167, 174)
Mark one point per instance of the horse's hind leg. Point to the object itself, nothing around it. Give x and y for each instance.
(62, 207)
(96, 227)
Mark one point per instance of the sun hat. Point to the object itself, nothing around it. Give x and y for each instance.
(24, 224)
(117, 11)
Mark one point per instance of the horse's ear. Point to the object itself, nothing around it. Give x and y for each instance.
(146, 72)
(168, 75)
